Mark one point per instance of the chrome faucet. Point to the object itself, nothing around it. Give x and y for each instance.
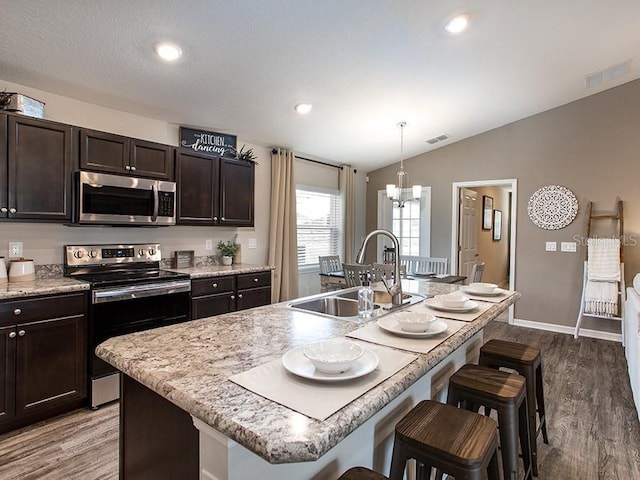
(395, 291)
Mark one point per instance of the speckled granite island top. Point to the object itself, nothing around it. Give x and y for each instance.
(44, 286)
(189, 364)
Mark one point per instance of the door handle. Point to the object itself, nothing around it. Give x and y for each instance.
(21, 333)
(12, 335)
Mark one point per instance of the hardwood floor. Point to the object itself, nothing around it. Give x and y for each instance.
(594, 432)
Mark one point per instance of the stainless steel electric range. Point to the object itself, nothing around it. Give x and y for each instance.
(129, 293)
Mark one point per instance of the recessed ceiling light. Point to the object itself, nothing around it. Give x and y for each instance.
(457, 24)
(168, 51)
(303, 108)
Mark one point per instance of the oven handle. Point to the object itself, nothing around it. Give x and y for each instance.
(104, 295)
(156, 201)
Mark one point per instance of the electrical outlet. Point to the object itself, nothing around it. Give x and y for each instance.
(253, 243)
(568, 246)
(15, 249)
(208, 244)
(551, 246)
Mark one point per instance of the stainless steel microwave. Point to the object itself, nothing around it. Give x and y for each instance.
(105, 199)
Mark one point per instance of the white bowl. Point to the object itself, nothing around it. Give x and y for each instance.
(452, 300)
(414, 321)
(333, 356)
(483, 287)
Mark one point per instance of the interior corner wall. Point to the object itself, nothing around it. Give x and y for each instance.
(589, 146)
(494, 253)
(44, 241)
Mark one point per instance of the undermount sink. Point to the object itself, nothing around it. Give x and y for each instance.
(344, 303)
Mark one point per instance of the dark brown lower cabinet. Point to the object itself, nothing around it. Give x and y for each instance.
(157, 439)
(43, 343)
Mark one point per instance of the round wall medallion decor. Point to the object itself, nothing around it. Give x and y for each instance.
(552, 207)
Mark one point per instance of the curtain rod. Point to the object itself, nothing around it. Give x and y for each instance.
(313, 161)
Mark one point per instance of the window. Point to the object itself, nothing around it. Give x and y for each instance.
(319, 224)
(406, 226)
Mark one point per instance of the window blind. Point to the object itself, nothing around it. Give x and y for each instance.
(319, 224)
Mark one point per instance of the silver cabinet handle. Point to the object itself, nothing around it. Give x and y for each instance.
(21, 333)
(17, 311)
(214, 285)
(233, 297)
(239, 295)
(12, 210)
(133, 169)
(215, 219)
(12, 335)
(4, 209)
(222, 218)
(127, 167)
(255, 279)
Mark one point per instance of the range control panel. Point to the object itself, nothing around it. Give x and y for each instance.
(84, 255)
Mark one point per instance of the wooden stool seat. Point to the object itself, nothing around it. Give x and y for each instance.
(473, 386)
(460, 443)
(527, 361)
(361, 473)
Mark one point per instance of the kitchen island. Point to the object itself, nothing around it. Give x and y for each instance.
(241, 435)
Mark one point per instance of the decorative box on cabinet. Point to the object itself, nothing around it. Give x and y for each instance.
(109, 153)
(43, 358)
(214, 191)
(36, 161)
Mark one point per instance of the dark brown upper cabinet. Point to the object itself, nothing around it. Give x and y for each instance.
(110, 153)
(36, 161)
(214, 191)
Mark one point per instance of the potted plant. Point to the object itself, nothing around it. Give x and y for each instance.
(246, 155)
(228, 251)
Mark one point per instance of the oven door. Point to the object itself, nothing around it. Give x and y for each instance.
(116, 200)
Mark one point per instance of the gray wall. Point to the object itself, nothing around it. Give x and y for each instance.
(590, 146)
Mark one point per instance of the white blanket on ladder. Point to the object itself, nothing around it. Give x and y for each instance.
(603, 275)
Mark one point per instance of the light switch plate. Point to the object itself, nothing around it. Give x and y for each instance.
(253, 243)
(568, 247)
(551, 246)
(15, 249)
(208, 244)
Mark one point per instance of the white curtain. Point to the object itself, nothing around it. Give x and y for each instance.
(283, 247)
(347, 189)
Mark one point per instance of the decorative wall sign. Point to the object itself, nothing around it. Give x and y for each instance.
(552, 207)
(213, 143)
(497, 225)
(487, 212)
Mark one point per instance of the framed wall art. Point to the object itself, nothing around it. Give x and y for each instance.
(487, 212)
(497, 225)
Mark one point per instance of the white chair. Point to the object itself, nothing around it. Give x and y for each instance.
(355, 273)
(330, 263)
(476, 273)
(437, 265)
(386, 271)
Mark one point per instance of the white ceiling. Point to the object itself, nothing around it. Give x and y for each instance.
(364, 64)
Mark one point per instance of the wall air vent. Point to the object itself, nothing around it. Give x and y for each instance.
(596, 79)
(437, 139)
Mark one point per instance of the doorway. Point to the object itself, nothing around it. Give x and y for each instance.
(465, 247)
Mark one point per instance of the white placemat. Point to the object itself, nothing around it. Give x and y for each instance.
(373, 333)
(465, 317)
(488, 298)
(313, 398)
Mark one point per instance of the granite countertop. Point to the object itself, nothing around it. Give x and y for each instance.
(189, 364)
(205, 271)
(41, 286)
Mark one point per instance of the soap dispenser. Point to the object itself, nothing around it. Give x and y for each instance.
(365, 301)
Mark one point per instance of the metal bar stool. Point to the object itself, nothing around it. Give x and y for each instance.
(361, 473)
(527, 361)
(473, 386)
(453, 441)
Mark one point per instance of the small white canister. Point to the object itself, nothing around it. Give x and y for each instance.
(3, 271)
(22, 270)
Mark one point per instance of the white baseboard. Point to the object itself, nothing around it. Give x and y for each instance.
(584, 332)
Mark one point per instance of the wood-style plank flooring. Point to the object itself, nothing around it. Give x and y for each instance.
(593, 429)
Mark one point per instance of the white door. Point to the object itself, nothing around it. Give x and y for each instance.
(467, 231)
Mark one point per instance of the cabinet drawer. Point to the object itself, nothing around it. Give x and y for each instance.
(22, 311)
(253, 280)
(255, 297)
(213, 305)
(211, 286)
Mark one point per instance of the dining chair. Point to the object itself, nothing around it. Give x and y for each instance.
(476, 273)
(437, 265)
(386, 271)
(355, 273)
(329, 263)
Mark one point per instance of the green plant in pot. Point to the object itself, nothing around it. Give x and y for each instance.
(228, 250)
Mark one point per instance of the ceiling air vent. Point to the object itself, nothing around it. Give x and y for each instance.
(596, 79)
(437, 139)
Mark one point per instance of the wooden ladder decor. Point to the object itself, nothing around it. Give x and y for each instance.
(618, 218)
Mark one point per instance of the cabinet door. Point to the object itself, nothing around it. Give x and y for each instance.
(104, 152)
(236, 192)
(197, 183)
(152, 160)
(50, 363)
(4, 205)
(7, 372)
(40, 165)
(213, 305)
(255, 297)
